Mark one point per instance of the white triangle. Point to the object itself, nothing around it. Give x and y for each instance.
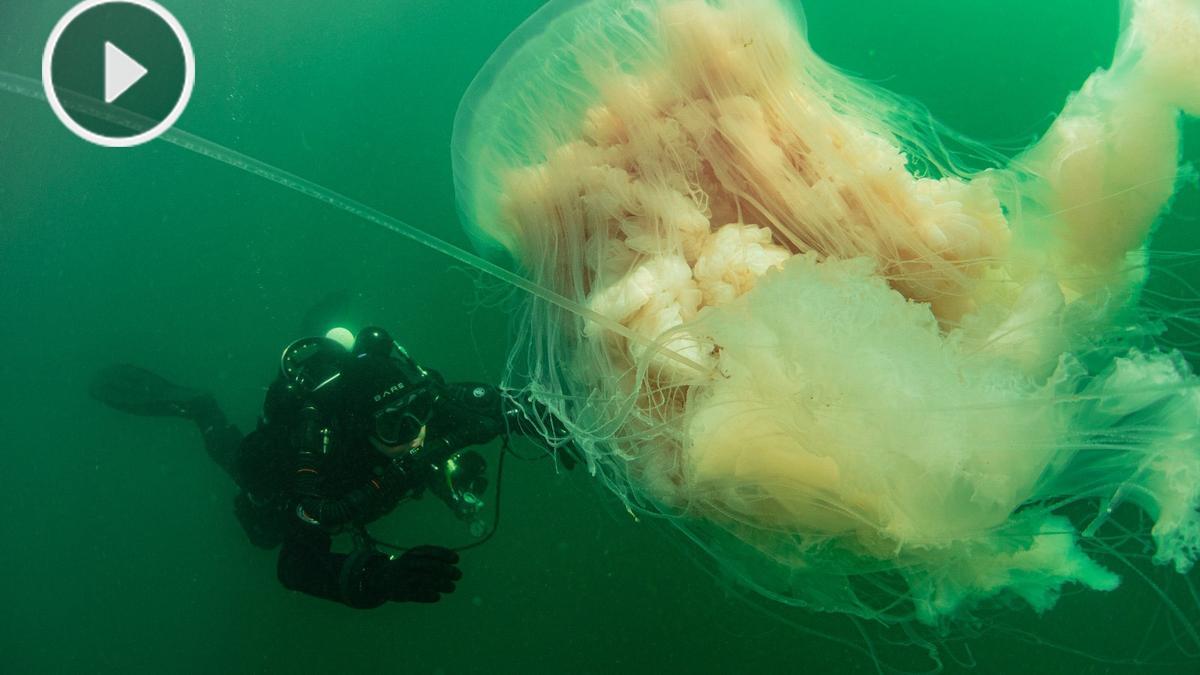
(120, 72)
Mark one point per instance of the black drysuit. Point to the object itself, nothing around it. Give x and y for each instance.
(299, 499)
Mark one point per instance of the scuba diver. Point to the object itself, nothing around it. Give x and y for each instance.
(349, 428)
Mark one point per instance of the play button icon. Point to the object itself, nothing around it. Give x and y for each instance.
(118, 73)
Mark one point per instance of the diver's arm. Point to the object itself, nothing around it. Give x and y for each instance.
(445, 445)
(474, 413)
(467, 413)
(471, 413)
(306, 564)
(365, 579)
(524, 416)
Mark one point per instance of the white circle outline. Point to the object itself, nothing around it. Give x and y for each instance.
(189, 76)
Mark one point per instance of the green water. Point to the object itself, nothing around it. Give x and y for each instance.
(121, 552)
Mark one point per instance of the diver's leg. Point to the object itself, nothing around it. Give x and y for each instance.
(222, 440)
(138, 391)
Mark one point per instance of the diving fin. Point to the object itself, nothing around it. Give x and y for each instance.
(135, 390)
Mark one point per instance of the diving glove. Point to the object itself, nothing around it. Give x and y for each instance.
(421, 574)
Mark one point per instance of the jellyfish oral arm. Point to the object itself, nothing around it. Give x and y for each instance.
(1109, 164)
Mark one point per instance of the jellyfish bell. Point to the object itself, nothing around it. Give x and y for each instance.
(863, 379)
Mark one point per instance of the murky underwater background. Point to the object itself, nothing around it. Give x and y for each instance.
(121, 553)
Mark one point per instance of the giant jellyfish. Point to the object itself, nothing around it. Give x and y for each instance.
(864, 374)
